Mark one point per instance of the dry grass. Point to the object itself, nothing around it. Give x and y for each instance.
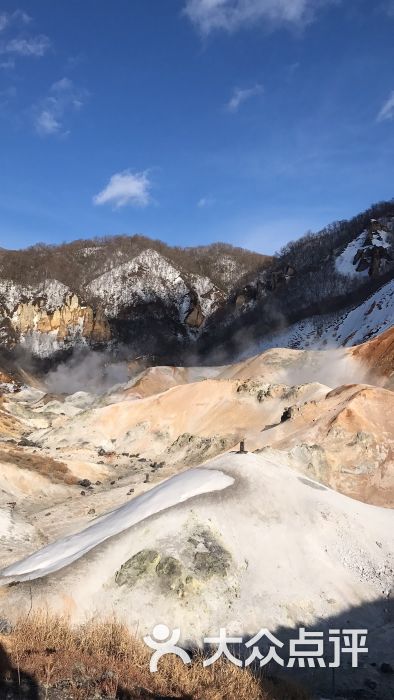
(105, 660)
(55, 471)
(9, 426)
(6, 378)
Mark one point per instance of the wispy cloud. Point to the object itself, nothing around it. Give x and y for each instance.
(22, 16)
(231, 15)
(7, 63)
(33, 46)
(7, 18)
(241, 95)
(3, 21)
(205, 202)
(20, 45)
(389, 8)
(126, 188)
(47, 124)
(74, 61)
(51, 114)
(387, 111)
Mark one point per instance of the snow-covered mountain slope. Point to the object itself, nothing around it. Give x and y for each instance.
(371, 249)
(147, 277)
(333, 287)
(150, 277)
(51, 293)
(114, 290)
(47, 317)
(352, 326)
(162, 302)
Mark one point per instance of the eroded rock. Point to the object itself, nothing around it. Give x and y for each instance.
(210, 557)
(141, 563)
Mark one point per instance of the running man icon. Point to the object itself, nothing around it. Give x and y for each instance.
(165, 642)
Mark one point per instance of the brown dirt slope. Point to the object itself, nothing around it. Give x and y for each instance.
(377, 354)
(345, 441)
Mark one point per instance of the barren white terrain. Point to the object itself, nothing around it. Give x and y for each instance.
(135, 501)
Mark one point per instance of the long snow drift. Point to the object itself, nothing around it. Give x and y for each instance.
(59, 554)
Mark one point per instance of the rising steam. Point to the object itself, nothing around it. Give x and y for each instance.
(95, 372)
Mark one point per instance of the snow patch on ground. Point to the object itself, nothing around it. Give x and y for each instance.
(59, 554)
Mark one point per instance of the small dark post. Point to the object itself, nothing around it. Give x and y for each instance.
(242, 447)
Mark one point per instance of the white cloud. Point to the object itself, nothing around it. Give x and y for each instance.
(231, 15)
(205, 202)
(21, 45)
(3, 21)
(7, 18)
(22, 16)
(33, 46)
(46, 123)
(51, 113)
(240, 95)
(126, 188)
(387, 111)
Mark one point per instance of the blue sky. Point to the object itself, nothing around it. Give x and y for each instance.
(247, 121)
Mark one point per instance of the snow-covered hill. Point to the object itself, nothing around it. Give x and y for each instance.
(148, 297)
(332, 288)
(351, 326)
(368, 253)
(158, 301)
(150, 277)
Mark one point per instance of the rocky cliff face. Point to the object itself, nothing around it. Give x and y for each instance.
(150, 277)
(143, 300)
(370, 253)
(48, 318)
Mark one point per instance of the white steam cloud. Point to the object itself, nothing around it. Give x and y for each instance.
(94, 372)
(331, 367)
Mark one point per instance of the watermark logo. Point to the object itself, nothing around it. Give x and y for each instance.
(309, 649)
(165, 642)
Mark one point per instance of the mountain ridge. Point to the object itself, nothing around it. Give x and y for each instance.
(173, 303)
